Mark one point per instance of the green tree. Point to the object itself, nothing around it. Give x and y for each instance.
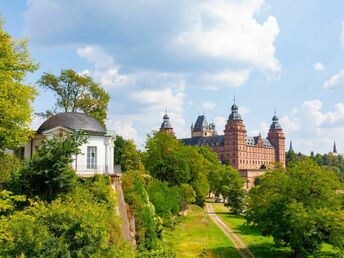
(81, 223)
(164, 198)
(119, 146)
(232, 190)
(300, 207)
(16, 97)
(187, 195)
(49, 172)
(77, 92)
(131, 158)
(9, 167)
(148, 226)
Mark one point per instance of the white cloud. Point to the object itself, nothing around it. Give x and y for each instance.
(311, 128)
(228, 30)
(342, 35)
(220, 123)
(290, 123)
(96, 55)
(243, 110)
(231, 78)
(208, 105)
(318, 66)
(106, 72)
(336, 81)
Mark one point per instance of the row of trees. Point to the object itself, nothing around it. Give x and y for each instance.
(161, 182)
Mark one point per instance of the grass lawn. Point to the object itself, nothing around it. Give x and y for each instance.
(198, 236)
(259, 245)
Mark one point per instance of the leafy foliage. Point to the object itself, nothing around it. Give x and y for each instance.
(81, 224)
(232, 189)
(300, 207)
(164, 198)
(119, 146)
(9, 167)
(77, 92)
(49, 173)
(131, 158)
(16, 97)
(148, 226)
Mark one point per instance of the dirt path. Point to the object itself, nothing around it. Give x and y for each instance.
(237, 242)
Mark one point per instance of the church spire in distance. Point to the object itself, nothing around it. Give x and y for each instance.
(334, 147)
(291, 146)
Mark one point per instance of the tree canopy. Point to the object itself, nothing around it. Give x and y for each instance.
(16, 97)
(49, 172)
(300, 207)
(77, 92)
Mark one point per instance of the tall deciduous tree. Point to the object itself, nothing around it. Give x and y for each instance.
(76, 92)
(131, 158)
(232, 189)
(300, 207)
(16, 96)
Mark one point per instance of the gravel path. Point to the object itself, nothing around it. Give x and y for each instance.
(237, 242)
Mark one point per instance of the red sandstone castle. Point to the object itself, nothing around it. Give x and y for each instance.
(250, 155)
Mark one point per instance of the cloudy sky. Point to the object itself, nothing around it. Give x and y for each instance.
(191, 57)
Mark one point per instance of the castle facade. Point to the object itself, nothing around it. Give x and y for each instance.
(250, 155)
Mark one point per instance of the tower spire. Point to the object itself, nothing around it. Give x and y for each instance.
(334, 147)
(291, 146)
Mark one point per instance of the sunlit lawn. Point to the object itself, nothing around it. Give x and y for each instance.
(259, 245)
(198, 236)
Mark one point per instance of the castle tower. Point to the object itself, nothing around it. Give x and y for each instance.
(235, 139)
(202, 128)
(277, 139)
(166, 125)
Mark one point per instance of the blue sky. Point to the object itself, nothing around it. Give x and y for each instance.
(192, 56)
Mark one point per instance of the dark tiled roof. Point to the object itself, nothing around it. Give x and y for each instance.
(166, 123)
(73, 121)
(235, 113)
(201, 122)
(217, 140)
(275, 124)
(253, 140)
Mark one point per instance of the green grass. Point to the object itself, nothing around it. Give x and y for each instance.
(198, 236)
(259, 245)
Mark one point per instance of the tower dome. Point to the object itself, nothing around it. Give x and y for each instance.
(275, 124)
(235, 113)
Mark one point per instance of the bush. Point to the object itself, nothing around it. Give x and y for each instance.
(148, 225)
(79, 224)
(165, 199)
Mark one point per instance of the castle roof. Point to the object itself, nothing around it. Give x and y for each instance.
(253, 140)
(166, 123)
(73, 121)
(235, 113)
(201, 123)
(216, 140)
(219, 140)
(275, 124)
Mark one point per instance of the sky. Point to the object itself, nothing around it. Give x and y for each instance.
(191, 57)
